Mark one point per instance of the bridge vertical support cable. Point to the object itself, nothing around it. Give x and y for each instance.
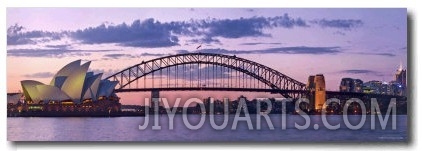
(184, 75)
(177, 76)
(200, 75)
(137, 75)
(145, 80)
(243, 74)
(228, 78)
(168, 77)
(237, 78)
(253, 84)
(221, 77)
(153, 79)
(213, 76)
(208, 75)
(190, 74)
(250, 81)
(231, 79)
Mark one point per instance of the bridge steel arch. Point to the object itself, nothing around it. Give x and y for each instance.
(280, 83)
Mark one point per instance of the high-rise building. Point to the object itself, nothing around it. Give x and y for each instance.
(351, 85)
(357, 85)
(400, 79)
(372, 87)
(386, 88)
(346, 85)
(395, 88)
(311, 82)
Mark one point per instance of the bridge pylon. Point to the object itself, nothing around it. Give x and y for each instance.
(317, 97)
(155, 100)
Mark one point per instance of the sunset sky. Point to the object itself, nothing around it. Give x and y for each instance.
(368, 44)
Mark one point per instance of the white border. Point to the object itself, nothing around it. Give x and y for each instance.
(412, 5)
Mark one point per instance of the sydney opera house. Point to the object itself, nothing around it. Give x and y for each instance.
(72, 89)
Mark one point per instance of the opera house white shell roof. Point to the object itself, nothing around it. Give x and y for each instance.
(72, 82)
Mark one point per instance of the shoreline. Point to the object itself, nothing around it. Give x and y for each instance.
(131, 114)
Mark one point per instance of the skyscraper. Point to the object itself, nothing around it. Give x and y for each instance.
(346, 85)
(351, 85)
(400, 78)
(311, 82)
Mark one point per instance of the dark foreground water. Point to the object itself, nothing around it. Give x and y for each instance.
(127, 129)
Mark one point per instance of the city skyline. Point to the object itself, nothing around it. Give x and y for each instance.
(357, 43)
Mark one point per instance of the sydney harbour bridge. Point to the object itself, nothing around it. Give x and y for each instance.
(208, 72)
(219, 72)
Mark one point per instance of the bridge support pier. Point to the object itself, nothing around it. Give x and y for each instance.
(155, 100)
(318, 94)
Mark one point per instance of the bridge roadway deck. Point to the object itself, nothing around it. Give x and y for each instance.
(209, 89)
(329, 93)
(274, 91)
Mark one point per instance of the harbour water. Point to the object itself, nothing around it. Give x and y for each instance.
(127, 129)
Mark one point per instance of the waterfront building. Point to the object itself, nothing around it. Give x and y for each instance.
(358, 85)
(72, 88)
(346, 85)
(373, 86)
(311, 82)
(351, 85)
(400, 76)
(386, 88)
(401, 80)
(396, 88)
